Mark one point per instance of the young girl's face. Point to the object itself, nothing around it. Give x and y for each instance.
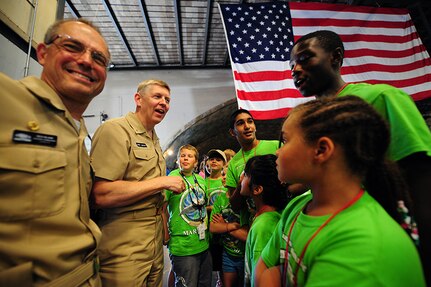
(294, 158)
(216, 164)
(245, 186)
(188, 160)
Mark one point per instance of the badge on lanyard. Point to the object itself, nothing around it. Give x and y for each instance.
(201, 230)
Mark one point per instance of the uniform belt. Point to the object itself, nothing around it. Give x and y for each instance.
(141, 213)
(77, 276)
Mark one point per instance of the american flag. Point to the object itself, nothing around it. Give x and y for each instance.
(381, 46)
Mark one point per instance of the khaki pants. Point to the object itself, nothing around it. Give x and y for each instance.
(131, 249)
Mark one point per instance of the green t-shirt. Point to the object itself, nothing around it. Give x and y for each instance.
(409, 131)
(258, 236)
(361, 246)
(185, 216)
(214, 189)
(237, 163)
(232, 245)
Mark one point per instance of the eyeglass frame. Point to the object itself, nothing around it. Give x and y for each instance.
(94, 53)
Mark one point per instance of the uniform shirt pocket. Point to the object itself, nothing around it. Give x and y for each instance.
(145, 164)
(32, 182)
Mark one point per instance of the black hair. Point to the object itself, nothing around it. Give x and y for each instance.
(235, 114)
(328, 40)
(262, 171)
(364, 136)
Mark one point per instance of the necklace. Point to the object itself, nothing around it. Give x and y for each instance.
(243, 156)
(286, 256)
(342, 88)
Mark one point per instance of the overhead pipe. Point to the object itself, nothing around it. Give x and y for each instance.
(33, 23)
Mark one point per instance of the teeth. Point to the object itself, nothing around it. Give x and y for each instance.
(82, 76)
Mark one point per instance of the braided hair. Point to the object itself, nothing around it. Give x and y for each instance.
(262, 171)
(364, 137)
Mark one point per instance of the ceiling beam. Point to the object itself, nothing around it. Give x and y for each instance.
(178, 30)
(120, 32)
(72, 9)
(207, 28)
(149, 30)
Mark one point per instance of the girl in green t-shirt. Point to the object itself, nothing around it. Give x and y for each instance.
(261, 183)
(345, 232)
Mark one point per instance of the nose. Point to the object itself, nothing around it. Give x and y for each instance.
(296, 68)
(85, 58)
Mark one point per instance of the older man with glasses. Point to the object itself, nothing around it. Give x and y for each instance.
(46, 234)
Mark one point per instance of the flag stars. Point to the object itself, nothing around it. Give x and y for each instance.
(230, 19)
(234, 45)
(237, 26)
(254, 50)
(259, 43)
(262, 23)
(232, 32)
(257, 30)
(266, 49)
(244, 31)
(239, 39)
(268, 28)
(246, 45)
(233, 13)
(253, 18)
(252, 37)
(273, 56)
(266, 16)
(261, 56)
(241, 52)
(271, 42)
(282, 56)
(276, 36)
(249, 24)
(273, 23)
(241, 19)
(264, 36)
(248, 58)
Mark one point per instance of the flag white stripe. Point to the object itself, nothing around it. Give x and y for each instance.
(348, 15)
(272, 105)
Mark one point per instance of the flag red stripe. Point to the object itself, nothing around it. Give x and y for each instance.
(268, 95)
(383, 68)
(262, 76)
(269, 115)
(371, 38)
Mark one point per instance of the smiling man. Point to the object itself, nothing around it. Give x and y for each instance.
(130, 175)
(46, 235)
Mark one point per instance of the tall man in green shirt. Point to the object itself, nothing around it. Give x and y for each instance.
(316, 61)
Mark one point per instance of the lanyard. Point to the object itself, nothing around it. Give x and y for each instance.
(197, 204)
(243, 156)
(286, 256)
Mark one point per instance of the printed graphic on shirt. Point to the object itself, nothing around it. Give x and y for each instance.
(214, 194)
(193, 206)
(230, 242)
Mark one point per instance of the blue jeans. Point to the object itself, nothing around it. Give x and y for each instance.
(193, 270)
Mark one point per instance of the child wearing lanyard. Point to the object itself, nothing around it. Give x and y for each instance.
(188, 221)
(346, 231)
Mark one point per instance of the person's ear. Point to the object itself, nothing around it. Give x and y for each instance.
(41, 52)
(324, 149)
(137, 98)
(337, 58)
(257, 190)
(232, 132)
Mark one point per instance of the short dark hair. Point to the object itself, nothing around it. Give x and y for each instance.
(328, 40)
(235, 114)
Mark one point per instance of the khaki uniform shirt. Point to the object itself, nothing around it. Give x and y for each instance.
(45, 182)
(123, 150)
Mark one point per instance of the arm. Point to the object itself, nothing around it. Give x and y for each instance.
(240, 233)
(165, 218)
(218, 225)
(108, 194)
(264, 276)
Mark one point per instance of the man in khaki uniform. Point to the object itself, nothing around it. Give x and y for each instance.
(46, 235)
(130, 177)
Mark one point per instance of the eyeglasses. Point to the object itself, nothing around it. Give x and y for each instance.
(77, 48)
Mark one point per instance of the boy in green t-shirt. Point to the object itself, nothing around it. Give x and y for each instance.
(188, 224)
